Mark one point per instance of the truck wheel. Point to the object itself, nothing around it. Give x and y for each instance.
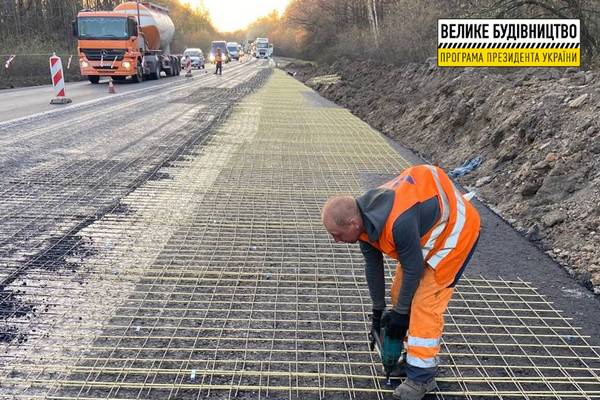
(139, 74)
(156, 74)
(94, 79)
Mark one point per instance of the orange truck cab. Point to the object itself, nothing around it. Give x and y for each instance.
(132, 41)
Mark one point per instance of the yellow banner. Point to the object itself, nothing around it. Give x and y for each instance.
(496, 57)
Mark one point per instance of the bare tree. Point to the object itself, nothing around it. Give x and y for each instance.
(373, 21)
(587, 11)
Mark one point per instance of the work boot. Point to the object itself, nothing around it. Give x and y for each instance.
(411, 390)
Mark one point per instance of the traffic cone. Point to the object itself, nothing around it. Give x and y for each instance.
(111, 87)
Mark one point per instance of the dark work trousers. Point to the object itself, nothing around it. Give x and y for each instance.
(219, 68)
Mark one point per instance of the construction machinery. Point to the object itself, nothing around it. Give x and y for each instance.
(133, 41)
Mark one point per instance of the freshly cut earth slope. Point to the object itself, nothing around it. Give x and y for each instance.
(536, 130)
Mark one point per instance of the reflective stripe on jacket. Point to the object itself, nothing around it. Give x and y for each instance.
(455, 231)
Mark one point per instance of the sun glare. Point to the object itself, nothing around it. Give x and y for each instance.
(230, 15)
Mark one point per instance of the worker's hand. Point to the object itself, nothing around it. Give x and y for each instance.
(376, 321)
(395, 324)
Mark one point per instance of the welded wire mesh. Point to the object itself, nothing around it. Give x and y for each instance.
(220, 282)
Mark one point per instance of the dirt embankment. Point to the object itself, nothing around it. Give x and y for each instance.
(536, 130)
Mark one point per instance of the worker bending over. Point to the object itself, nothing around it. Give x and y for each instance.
(421, 220)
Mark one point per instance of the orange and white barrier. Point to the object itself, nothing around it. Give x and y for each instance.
(7, 63)
(111, 86)
(58, 81)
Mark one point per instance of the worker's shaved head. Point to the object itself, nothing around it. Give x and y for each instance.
(341, 217)
(339, 210)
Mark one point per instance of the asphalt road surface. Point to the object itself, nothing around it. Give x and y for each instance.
(23, 102)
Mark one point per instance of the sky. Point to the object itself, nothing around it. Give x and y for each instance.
(229, 15)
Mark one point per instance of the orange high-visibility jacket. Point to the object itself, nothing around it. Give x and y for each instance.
(455, 231)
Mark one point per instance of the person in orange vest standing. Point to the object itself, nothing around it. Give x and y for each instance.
(218, 62)
(421, 220)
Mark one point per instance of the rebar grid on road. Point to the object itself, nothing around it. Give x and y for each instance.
(220, 282)
(59, 176)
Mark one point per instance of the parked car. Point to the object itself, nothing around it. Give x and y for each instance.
(219, 44)
(234, 50)
(196, 56)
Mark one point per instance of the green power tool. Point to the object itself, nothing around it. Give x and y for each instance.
(389, 350)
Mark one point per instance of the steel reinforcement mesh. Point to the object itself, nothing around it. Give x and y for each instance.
(220, 282)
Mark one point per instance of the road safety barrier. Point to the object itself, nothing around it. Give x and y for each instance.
(58, 81)
(27, 69)
(12, 56)
(7, 63)
(111, 86)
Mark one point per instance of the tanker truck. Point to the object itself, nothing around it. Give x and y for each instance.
(130, 41)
